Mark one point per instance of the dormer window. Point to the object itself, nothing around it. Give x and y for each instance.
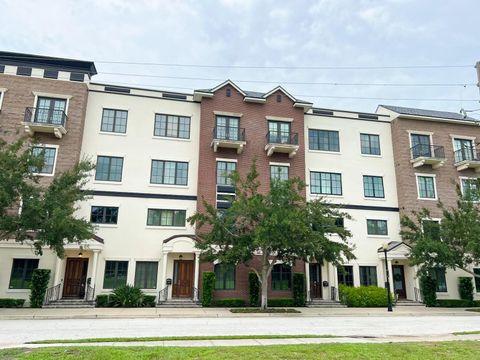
(229, 92)
(279, 98)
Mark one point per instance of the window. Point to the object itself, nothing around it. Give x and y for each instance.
(224, 277)
(49, 155)
(439, 275)
(104, 215)
(325, 183)
(464, 150)
(227, 128)
(146, 274)
(421, 146)
(109, 168)
(470, 189)
(228, 92)
(370, 144)
(325, 140)
(345, 275)
(224, 170)
(161, 217)
(431, 229)
(373, 186)
(278, 172)
(281, 277)
(114, 121)
(279, 132)
(169, 172)
(115, 274)
(50, 111)
(172, 126)
(368, 275)
(377, 227)
(21, 275)
(477, 280)
(426, 187)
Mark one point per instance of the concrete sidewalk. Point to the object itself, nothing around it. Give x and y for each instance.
(132, 313)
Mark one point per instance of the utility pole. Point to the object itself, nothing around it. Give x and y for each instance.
(478, 74)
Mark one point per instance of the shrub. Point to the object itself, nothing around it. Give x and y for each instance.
(299, 289)
(230, 302)
(465, 288)
(11, 303)
(149, 300)
(253, 289)
(126, 296)
(364, 296)
(281, 302)
(457, 303)
(428, 287)
(38, 287)
(208, 285)
(103, 300)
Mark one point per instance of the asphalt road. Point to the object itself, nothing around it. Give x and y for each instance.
(16, 332)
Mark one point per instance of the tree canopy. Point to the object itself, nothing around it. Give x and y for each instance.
(42, 215)
(279, 226)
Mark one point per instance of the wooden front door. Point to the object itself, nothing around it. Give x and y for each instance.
(182, 278)
(315, 281)
(75, 278)
(399, 281)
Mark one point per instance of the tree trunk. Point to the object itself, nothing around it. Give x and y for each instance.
(264, 283)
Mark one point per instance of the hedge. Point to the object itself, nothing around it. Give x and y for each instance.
(281, 302)
(11, 303)
(428, 287)
(232, 302)
(457, 303)
(38, 287)
(208, 284)
(364, 296)
(465, 288)
(299, 289)
(149, 300)
(105, 300)
(253, 289)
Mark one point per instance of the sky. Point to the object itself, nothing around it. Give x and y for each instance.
(280, 38)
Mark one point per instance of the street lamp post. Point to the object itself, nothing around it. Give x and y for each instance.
(387, 282)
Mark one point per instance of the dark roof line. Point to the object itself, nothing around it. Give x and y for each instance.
(428, 113)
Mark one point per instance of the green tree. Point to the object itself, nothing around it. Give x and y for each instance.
(452, 243)
(43, 215)
(279, 226)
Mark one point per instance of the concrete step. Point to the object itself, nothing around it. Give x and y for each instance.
(320, 303)
(409, 303)
(180, 303)
(69, 304)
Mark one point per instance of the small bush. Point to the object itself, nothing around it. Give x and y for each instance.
(38, 287)
(103, 300)
(465, 288)
(149, 300)
(262, 311)
(364, 296)
(127, 296)
(428, 287)
(451, 303)
(253, 289)
(11, 303)
(280, 302)
(208, 284)
(299, 289)
(229, 302)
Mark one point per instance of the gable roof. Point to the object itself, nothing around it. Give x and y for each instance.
(428, 113)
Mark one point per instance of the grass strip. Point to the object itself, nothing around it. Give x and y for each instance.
(264, 311)
(178, 338)
(467, 332)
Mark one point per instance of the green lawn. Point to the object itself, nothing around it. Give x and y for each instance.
(466, 333)
(424, 351)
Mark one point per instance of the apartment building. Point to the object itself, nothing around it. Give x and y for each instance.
(159, 153)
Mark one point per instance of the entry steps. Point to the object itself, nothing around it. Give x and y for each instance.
(69, 304)
(180, 303)
(321, 303)
(404, 302)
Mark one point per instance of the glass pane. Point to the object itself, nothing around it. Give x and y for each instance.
(166, 218)
(108, 120)
(172, 126)
(160, 125)
(156, 176)
(182, 173)
(153, 218)
(169, 172)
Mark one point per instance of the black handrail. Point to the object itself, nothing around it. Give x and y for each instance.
(195, 294)
(427, 151)
(333, 293)
(46, 116)
(466, 153)
(228, 133)
(52, 294)
(282, 137)
(418, 294)
(162, 295)
(90, 293)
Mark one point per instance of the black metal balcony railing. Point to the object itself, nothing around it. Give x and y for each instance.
(45, 116)
(466, 154)
(229, 133)
(427, 151)
(282, 137)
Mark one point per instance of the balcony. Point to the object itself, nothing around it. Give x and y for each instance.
(45, 120)
(467, 158)
(228, 137)
(282, 142)
(422, 154)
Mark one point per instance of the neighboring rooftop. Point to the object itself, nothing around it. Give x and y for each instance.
(428, 113)
(47, 62)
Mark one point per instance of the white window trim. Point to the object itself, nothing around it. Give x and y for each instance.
(412, 132)
(228, 114)
(379, 143)
(2, 95)
(321, 195)
(278, 118)
(384, 198)
(461, 184)
(38, 94)
(340, 145)
(377, 235)
(56, 147)
(462, 137)
(279, 164)
(434, 185)
(226, 160)
(165, 227)
(113, 132)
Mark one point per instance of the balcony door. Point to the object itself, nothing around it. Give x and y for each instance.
(228, 128)
(463, 149)
(50, 110)
(279, 132)
(421, 146)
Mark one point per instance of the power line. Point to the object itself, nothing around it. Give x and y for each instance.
(293, 82)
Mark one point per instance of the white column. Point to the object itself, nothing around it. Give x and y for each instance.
(58, 268)
(93, 276)
(307, 280)
(197, 271)
(390, 279)
(416, 281)
(164, 271)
